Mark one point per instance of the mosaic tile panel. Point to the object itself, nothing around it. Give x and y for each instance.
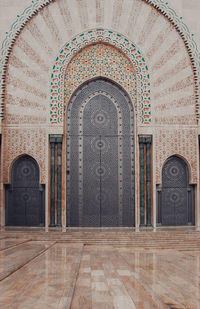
(100, 60)
(126, 46)
(20, 141)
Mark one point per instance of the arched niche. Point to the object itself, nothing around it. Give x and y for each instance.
(175, 197)
(25, 195)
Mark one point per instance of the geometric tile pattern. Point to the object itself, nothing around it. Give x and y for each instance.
(107, 36)
(100, 60)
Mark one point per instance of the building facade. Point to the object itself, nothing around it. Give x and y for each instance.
(99, 116)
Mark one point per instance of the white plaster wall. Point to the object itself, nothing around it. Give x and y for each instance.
(9, 9)
(188, 9)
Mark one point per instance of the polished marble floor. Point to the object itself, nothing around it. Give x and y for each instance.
(54, 274)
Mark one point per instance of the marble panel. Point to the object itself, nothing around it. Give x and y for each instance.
(45, 282)
(8, 243)
(16, 257)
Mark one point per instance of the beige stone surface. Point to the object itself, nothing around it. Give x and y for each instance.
(145, 270)
(188, 9)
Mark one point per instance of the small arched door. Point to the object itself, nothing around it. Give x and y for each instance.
(25, 196)
(176, 196)
(100, 157)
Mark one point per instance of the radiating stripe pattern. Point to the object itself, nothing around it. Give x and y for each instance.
(36, 47)
(28, 78)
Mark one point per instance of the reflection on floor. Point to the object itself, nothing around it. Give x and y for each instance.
(83, 275)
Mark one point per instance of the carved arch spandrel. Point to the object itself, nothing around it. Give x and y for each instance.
(123, 47)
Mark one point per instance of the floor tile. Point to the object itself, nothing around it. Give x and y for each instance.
(67, 275)
(45, 282)
(15, 257)
(11, 242)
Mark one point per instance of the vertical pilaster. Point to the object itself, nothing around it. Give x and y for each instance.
(52, 199)
(56, 186)
(1, 188)
(59, 177)
(145, 180)
(197, 208)
(148, 180)
(141, 146)
(159, 201)
(154, 192)
(47, 189)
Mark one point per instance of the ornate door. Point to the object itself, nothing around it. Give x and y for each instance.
(25, 197)
(176, 197)
(100, 157)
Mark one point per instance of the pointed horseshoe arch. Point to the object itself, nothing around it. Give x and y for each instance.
(117, 40)
(100, 156)
(176, 196)
(25, 195)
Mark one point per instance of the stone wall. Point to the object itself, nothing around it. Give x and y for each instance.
(27, 93)
(147, 56)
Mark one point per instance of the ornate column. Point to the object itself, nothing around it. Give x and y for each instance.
(141, 146)
(197, 210)
(52, 182)
(2, 217)
(148, 180)
(145, 180)
(56, 183)
(59, 177)
(159, 200)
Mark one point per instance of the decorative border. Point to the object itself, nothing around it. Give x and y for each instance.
(177, 21)
(160, 5)
(84, 39)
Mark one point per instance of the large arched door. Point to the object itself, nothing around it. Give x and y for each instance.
(176, 196)
(25, 196)
(100, 157)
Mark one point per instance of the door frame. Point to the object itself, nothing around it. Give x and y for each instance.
(136, 151)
